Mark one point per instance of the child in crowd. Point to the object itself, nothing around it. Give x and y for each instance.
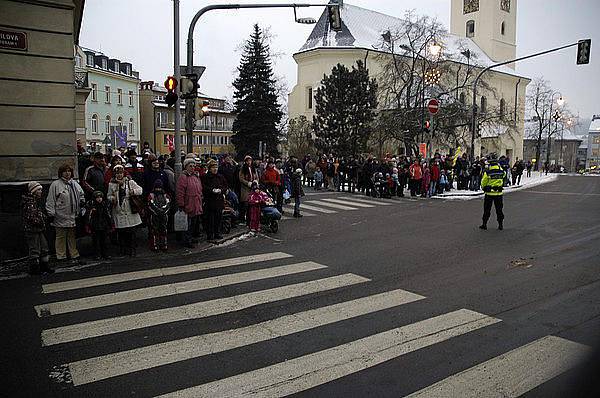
(256, 199)
(318, 179)
(443, 181)
(159, 204)
(99, 224)
(34, 226)
(297, 191)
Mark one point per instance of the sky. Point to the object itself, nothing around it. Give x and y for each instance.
(141, 32)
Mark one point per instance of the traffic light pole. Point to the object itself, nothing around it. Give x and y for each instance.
(474, 124)
(190, 47)
(177, 73)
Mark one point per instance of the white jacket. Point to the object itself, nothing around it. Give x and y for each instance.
(64, 202)
(121, 209)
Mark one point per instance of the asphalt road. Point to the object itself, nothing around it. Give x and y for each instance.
(403, 297)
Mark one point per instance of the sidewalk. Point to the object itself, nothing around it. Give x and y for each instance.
(537, 178)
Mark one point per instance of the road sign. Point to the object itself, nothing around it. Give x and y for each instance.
(423, 149)
(433, 106)
(106, 140)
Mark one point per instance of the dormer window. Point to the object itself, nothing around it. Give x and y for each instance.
(90, 60)
(470, 28)
(117, 67)
(104, 63)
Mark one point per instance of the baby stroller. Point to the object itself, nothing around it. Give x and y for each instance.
(229, 215)
(269, 215)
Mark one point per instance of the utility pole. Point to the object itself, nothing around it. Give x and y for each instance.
(177, 73)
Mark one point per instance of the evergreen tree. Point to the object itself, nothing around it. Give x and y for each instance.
(345, 109)
(255, 98)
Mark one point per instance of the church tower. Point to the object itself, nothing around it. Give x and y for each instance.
(491, 24)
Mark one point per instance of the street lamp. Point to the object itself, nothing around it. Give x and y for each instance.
(560, 101)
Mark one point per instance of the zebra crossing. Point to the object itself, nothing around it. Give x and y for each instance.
(322, 206)
(509, 374)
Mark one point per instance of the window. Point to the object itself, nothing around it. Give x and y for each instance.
(78, 60)
(94, 123)
(197, 140)
(470, 28)
(104, 63)
(90, 60)
(107, 124)
(131, 131)
(94, 92)
(470, 6)
(107, 94)
(503, 28)
(310, 97)
(461, 98)
(483, 106)
(120, 96)
(505, 5)
(502, 107)
(130, 98)
(120, 124)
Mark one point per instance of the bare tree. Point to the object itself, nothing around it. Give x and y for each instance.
(538, 109)
(300, 137)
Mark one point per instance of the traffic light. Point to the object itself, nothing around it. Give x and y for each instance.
(189, 86)
(583, 51)
(171, 86)
(335, 19)
(200, 108)
(427, 126)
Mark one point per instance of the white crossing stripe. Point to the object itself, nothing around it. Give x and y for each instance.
(302, 373)
(112, 365)
(374, 201)
(513, 373)
(128, 296)
(304, 213)
(153, 273)
(326, 204)
(102, 327)
(317, 209)
(356, 204)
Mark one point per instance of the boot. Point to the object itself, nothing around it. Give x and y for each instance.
(500, 225)
(34, 268)
(483, 226)
(45, 268)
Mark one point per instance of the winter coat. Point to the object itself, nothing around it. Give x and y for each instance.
(214, 201)
(150, 176)
(64, 202)
(435, 172)
(426, 178)
(189, 194)
(246, 178)
(33, 215)
(136, 171)
(171, 178)
(271, 177)
(122, 215)
(310, 169)
(297, 190)
(227, 170)
(159, 204)
(98, 216)
(415, 171)
(93, 179)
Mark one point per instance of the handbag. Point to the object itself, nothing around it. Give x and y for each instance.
(180, 221)
(135, 202)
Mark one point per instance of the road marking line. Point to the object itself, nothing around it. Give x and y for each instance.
(318, 209)
(128, 296)
(152, 273)
(102, 327)
(357, 204)
(326, 204)
(300, 374)
(513, 373)
(112, 365)
(374, 201)
(565, 193)
(304, 213)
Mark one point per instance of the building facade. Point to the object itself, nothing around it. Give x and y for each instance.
(593, 144)
(563, 148)
(324, 49)
(38, 101)
(212, 134)
(112, 112)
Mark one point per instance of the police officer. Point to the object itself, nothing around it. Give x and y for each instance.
(491, 184)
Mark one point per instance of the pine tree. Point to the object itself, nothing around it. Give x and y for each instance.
(345, 109)
(255, 99)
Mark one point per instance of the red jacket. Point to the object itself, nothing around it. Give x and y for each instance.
(271, 177)
(435, 172)
(189, 194)
(415, 171)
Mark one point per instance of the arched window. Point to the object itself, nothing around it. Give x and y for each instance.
(461, 98)
(107, 124)
(120, 124)
(483, 106)
(130, 129)
(94, 125)
(502, 107)
(470, 28)
(502, 28)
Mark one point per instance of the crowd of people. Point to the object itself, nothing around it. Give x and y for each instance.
(116, 196)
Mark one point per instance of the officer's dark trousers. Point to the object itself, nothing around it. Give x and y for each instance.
(487, 207)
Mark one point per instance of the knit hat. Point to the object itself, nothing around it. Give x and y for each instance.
(33, 186)
(247, 157)
(211, 163)
(189, 161)
(117, 166)
(97, 194)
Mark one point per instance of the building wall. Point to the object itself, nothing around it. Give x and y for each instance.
(37, 105)
(567, 158)
(312, 65)
(593, 155)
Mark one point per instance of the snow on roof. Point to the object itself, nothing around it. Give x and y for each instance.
(595, 125)
(567, 135)
(362, 28)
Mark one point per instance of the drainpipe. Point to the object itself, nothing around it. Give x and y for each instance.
(517, 98)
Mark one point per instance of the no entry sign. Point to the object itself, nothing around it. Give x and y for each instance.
(433, 106)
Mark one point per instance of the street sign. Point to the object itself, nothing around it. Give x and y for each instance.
(106, 140)
(423, 149)
(433, 106)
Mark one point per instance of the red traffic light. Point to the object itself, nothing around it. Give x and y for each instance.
(171, 83)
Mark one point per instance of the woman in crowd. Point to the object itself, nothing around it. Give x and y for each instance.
(189, 198)
(247, 175)
(121, 190)
(214, 186)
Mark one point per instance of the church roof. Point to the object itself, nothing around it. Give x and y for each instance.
(595, 125)
(362, 28)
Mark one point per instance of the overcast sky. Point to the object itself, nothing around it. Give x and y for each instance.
(141, 32)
